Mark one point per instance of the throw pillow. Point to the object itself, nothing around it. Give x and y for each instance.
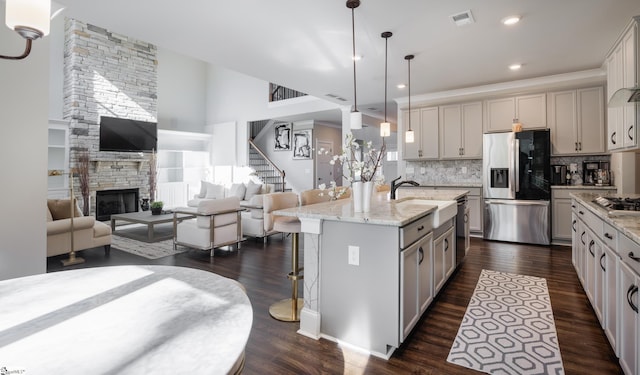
(214, 191)
(237, 190)
(60, 208)
(203, 189)
(252, 189)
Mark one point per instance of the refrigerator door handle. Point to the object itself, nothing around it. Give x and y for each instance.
(510, 202)
(517, 164)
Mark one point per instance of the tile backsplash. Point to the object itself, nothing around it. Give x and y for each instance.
(445, 172)
(464, 172)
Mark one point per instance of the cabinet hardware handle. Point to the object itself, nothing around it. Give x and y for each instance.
(601, 258)
(576, 148)
(630, 292)
(462, 151)
(581, 212)
(446, 244)
(629, 132)
(630, 255)
(420, 228)
(591, 247)
(421, 252)
(582, 238)
(613, 138)
(608, 236)
(579, 146)
(573, 225)
(573, 206)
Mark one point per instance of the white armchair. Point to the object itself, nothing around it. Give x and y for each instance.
(216, 223)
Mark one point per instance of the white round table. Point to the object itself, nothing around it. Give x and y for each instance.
(124, 320)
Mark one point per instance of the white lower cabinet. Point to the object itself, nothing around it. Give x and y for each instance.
(610, 263)
(416, 290)
(628, 319)
(444, 258)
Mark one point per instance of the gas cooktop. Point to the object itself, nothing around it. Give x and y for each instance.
(620, 206)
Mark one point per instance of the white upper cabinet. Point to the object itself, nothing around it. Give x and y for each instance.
(530, 110)
(461, 131)
(576, 120)
(622, 72)
(424, 122)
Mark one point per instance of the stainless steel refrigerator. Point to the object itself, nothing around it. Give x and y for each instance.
(516, 186)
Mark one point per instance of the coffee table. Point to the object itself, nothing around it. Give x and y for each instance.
(145, 217)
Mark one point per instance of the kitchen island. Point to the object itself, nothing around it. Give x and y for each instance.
(368, 277)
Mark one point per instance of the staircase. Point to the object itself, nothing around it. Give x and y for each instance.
(264, 168)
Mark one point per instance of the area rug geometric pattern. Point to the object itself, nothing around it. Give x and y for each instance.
(153, 250)
(508, 327)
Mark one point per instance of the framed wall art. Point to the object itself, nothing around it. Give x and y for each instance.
(282, 137)
(302, 144)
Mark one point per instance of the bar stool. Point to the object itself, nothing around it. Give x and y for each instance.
(288, 310)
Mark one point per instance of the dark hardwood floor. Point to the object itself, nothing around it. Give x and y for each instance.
(275, 348)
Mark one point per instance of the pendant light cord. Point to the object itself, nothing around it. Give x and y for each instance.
(386, 52)
(353, 39)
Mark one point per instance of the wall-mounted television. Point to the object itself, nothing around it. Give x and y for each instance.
(119, 134)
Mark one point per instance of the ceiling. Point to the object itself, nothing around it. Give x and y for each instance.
(306, 44)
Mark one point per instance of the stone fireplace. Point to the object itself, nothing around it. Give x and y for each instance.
(107, 74)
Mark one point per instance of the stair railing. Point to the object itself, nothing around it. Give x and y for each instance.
(278, 170)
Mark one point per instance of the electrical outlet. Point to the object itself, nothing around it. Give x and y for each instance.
(423, 170)
(463, 170)
(354, 255)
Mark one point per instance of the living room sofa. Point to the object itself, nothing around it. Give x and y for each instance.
(243, 191)
(87, 232)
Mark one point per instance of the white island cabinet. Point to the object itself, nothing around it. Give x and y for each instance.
(606, 255)
(369, 277)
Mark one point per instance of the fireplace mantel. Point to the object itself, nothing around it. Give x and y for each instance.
(98, 163)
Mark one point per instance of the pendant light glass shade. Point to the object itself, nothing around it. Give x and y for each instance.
(409, 136)
(385, 129)
(32, 14)
(355, 120)
(356, 117)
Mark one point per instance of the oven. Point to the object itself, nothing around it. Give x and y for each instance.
(462, 230)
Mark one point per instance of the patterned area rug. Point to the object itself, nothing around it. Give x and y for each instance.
(153, 250)
(508, 327)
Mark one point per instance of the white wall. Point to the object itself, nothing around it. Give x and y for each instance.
(237, 98)
(56, 67)
(182, 92)
(24, 108)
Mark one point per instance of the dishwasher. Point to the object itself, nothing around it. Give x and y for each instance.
(462, 230)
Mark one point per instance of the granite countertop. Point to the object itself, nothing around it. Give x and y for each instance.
(583, 187)
(629, 225)
(383, 210)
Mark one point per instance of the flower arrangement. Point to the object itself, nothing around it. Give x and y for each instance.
(335, 192)
(360, 163)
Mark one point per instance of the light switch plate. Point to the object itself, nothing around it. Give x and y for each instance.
(354, 255)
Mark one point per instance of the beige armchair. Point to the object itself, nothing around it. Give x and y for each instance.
(216, 223)
(87, 232)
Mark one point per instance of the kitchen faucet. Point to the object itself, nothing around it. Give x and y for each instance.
(395, 186)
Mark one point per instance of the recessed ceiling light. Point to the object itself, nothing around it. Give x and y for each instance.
(401, 86)
(515, 66)
(511, 20)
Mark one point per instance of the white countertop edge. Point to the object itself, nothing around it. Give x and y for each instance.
(629, 225)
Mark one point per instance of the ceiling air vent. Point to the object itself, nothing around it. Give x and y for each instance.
(463, 18)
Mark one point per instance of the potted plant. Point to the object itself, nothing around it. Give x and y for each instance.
(156, 208)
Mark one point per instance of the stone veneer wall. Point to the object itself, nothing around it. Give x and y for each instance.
(107, 74)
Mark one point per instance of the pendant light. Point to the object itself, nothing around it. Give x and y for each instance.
(356, 117)
(409, 135)
(385, 127)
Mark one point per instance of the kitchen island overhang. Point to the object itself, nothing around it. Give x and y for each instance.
(352, 265)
